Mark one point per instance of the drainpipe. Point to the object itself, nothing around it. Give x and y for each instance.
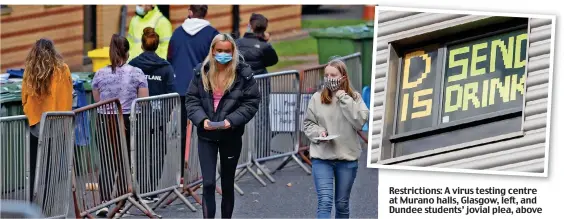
(235, 20)
(123, 19)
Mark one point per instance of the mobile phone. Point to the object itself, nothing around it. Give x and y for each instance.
(217, 125)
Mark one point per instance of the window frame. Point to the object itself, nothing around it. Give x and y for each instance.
(438, 126)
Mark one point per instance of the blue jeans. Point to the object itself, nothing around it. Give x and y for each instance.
(325, 174)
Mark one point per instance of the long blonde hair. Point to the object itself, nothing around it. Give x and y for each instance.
(208, 77)
(41, 63)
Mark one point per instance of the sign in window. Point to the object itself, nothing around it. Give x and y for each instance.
(484, 76)
(417, 86)
(456, 93)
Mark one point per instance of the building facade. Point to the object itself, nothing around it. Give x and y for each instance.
(77, 29)
(461, 91)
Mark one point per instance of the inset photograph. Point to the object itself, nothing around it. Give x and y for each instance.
(461, 91)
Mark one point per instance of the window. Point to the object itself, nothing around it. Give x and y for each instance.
(484, 76)
(456, 92)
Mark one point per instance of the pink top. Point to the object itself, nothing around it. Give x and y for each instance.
(217, 95)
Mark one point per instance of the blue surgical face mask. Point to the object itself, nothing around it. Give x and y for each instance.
(249, 29)
(139, 10)
(223, 58)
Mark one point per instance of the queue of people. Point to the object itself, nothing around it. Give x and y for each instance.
(213, 73)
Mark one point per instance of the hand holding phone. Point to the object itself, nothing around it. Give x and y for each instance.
(217, 125)
(207, 125)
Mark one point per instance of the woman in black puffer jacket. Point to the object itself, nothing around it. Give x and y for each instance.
(254, 46)
(222, 98)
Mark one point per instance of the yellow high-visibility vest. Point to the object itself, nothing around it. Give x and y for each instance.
(154, 19)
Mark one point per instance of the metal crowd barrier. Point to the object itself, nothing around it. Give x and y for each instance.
(312, 81)
(275, 128)
(354, 68)
(246, 159)
(192, 180)
(155, 146)
(102, 173)
(14, 162)
(19, 209)
(52, 185)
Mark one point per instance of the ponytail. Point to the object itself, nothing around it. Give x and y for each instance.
(119, 47)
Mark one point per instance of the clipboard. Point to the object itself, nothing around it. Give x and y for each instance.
(327, 138)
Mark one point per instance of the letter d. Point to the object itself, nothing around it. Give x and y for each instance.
(449, 107)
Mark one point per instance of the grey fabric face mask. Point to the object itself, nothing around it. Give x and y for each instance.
(332, 84)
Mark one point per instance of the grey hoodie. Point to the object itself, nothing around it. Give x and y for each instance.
(342, 117)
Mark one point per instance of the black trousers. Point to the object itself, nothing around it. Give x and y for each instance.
(183, 124)
(33, 146)
(111, 173)
(229, 152)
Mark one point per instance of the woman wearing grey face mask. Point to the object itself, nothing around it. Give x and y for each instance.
(336, 110)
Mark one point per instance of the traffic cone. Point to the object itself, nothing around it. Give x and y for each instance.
(369, 11)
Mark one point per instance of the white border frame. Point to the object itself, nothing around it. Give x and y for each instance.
(439, 169)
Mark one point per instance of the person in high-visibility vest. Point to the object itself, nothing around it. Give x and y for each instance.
(148, 16)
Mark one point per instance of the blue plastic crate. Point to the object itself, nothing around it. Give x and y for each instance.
(366, 99)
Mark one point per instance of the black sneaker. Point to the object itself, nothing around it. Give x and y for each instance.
(149, 200)
(103, 212)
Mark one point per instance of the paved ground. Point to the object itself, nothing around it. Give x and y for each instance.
(298, 201)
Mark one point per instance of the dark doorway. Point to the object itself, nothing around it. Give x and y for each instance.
(235, 20)
(89, 30)
(165, 9)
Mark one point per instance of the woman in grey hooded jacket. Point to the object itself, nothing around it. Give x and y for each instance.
(336, 110)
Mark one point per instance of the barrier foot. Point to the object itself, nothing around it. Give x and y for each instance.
(301, 164)
(183, 199)
(192, 192)
(264, 172)
(127, 207)
(238, 189)
(241, 174)
(170, 201)
(282, 165)
(305, 158)
(143, 207)
(114, 211)
(162, 199)
(255, 175)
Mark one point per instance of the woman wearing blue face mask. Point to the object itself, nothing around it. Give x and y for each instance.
(223, 96)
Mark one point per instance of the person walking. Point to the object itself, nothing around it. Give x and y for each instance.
(46, 86)
(125, 82)
(336, 110)
(160, 78)
(189, 45)
(259, 54)
(148, 16)
(223, 91)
